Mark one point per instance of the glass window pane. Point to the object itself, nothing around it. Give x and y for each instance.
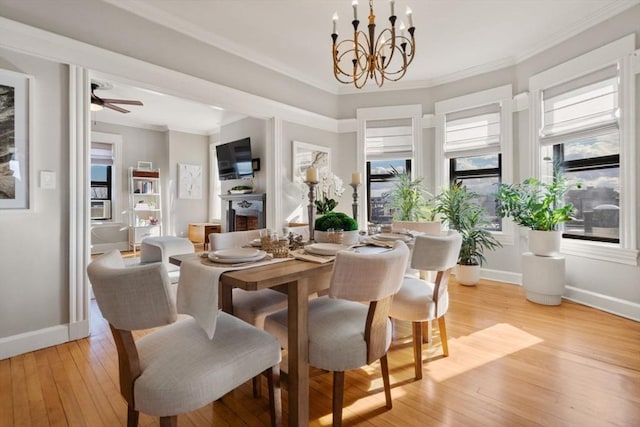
(476, 162)
(486, 188)
(384, 167)
(596, 146)
(597, 203)
(380, 201)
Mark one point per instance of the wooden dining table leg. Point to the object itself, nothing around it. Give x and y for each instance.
(298, 310)
(225, 298)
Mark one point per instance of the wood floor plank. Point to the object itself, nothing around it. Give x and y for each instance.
(511, 362)
(37, 407)
(6, 402)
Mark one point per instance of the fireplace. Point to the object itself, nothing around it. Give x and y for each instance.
(244, 211)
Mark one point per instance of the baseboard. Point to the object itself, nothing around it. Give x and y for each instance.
(617, 306)
(36, 340)
(501, 276)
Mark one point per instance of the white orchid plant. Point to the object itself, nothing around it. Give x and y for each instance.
(330, 188)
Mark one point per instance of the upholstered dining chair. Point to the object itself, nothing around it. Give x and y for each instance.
(421, 301)
(250, 306)
(345, 334)
(176, 368)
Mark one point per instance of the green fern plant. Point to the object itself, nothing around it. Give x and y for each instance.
(409, 200)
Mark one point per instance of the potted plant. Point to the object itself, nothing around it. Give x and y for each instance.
(538, 206)
(336, 220)
(460, 210)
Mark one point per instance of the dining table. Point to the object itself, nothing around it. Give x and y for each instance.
(298, 279)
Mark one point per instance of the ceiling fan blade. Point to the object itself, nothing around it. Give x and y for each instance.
(115, 107)
(122, 101)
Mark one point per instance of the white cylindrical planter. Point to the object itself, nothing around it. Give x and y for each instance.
(468, 275)
(543, 278)
(545, 243)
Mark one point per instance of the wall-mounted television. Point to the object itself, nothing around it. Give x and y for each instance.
(234, 159)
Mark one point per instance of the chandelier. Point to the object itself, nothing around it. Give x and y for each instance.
(367, 56)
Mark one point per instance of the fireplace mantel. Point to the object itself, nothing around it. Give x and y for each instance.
(247, 209)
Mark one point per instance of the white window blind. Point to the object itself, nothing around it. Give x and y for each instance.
(393, 142)
(474, 131)
(586, 106)
(101, 153)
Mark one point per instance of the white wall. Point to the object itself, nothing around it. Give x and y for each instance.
(191, 149)
(34, 244)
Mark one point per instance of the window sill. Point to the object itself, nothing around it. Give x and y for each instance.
(601, 251)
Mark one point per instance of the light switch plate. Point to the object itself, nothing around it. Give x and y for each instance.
(48, 180)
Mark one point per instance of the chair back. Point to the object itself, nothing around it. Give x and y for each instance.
(436, 252)
(131, 298)
(232, 239)
(368, 277)
(426, 227)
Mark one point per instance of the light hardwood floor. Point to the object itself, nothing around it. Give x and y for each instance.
(511, 363)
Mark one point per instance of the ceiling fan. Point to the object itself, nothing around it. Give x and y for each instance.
(98, 103)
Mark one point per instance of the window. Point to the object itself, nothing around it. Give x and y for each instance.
(380, 183)
(583, 121)
(580, 134)
(388, 146)
(101, 178)
(481, 175)
(474, 139)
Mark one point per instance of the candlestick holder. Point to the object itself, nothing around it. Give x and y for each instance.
(312, 208)
(355, 200)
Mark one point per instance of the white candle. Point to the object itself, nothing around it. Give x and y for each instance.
(402, 28)
(392, 3)
(356, 178)
(354, 3)
(410, 16)
(383, 50)
(312, 175)
(335, 21)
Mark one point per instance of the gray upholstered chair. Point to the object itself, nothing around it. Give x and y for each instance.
(345, 334)
(250, 306)
(420, 301)
(177, 368)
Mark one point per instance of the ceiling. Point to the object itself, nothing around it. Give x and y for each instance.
(454, 39)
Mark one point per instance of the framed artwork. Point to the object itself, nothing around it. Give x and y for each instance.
(14, 140)
(189, 181)
(307, 156)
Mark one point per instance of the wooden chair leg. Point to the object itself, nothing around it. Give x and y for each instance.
(338, 392)
(417, 349)
(426, 331)
(275, 395)
(443, 336)
(132, 417)
(171, 421)
(384, 366)
(257, 390)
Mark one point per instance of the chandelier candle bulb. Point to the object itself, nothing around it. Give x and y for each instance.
(354, 3)
(410, 16)
(392, 3)
(335, 21)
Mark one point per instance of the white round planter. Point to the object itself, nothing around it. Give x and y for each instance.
(349, 237)
(468, 275)
(545, 243)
